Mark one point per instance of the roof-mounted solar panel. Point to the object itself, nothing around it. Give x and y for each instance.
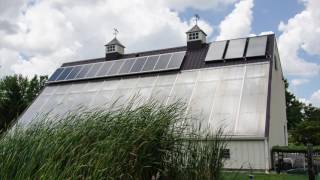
(155, 63)
(150, 63)
(94, 70)
(56, 74)
(104, 69)
(126, 67)
(216, 51)
(138, 65)
(176, 60)
(64, 73)
(257, 46)
(163, 62)
(115, 68)
(75, 71)
(235, 49)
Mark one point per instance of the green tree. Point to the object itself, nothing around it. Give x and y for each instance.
(294, 109)
(16, 93)
(308, 130)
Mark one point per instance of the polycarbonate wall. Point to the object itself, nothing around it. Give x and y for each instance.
(234, 97)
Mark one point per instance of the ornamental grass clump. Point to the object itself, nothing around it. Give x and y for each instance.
(145, 142)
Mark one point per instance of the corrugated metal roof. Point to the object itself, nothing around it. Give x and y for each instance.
(196, 28)
(194, 59)
(115, 41)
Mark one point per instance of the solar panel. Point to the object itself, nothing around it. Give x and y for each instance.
(216, 51)
(163, 62)
(74, 72)
(64, 73)
(257, 46)
(115, 67)
(151, 62)
(176, 60)
(127, 66)
(138, 65)
(104, 69)
(84, 71)
(235, 48)
(94, 70)
(56, 74)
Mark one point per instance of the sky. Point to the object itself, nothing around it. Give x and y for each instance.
(37, 36)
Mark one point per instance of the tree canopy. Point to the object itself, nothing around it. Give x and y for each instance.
(16, 93)
(303, 120)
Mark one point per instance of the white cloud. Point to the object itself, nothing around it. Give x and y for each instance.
(301, 32)
(298, 82)
(51, 32)
(198, 4)
(7, 59)
(238, 22)
(315, 98)
(304, 100)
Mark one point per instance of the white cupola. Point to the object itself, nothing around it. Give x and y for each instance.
(196, 34)
(114, 46)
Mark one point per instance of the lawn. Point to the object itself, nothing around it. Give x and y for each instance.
(261, 176)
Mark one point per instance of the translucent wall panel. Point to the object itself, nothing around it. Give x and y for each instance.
(201, 102)
(252, 112)
(216, 51)
(233, 97)
(226, 102)
(162, 88)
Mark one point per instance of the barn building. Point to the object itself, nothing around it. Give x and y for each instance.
(237, 84)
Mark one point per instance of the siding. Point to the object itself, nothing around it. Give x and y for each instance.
(246, 155)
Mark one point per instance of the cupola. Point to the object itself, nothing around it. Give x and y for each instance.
(196, 37)
(114, 49)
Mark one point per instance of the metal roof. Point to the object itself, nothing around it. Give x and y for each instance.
(115, 41)
(194, 59)
(196, 28)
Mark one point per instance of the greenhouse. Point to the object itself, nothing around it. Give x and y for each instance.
(236, 84)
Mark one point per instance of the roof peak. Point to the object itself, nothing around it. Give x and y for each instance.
(115, 41)
(196, 28)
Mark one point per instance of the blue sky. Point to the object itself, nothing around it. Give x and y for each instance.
(38, 35)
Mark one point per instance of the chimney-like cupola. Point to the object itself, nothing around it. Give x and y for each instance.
(114, 49)
(196, 37)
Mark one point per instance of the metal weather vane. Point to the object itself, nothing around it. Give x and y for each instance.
(196, 18)
(115, 32)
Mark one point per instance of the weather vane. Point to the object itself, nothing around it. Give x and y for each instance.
(196, 18)
(115, 32)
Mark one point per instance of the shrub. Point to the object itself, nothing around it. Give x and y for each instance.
(127, 143)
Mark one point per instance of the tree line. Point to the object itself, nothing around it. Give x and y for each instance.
(16, 94)
(303, 120)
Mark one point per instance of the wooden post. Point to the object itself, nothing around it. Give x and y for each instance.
(311, 172)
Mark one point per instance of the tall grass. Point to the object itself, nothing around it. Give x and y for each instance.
(151, 141)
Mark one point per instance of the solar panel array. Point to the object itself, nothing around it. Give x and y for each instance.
(236, 48)
(138, 65)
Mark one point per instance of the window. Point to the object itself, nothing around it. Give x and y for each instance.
(193, 36)
(111, 48)
(226, 153)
